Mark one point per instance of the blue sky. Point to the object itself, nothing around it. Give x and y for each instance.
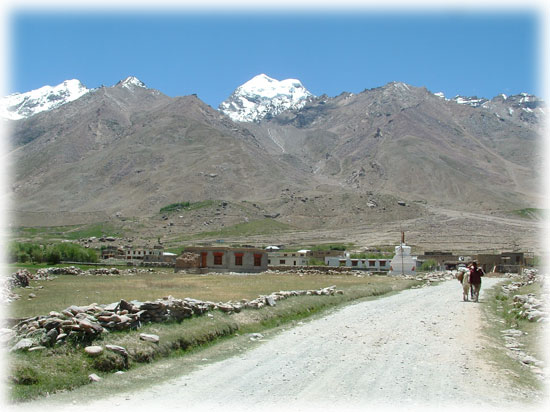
(181, 53)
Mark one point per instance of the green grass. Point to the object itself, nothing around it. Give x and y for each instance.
(500, 316)
(70, 232)
(185, 206)
(530, 213)
(32, 267)
(34, 374)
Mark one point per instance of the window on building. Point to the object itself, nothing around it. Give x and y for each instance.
(282, 262)
(218, 258)
(382, 263)
(257, 259)
(238, 259)
(294, 263)
(372, 263)
(353, 263)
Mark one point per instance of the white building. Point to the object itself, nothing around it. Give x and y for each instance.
(403, 263)
(373, 265)
(299, 258)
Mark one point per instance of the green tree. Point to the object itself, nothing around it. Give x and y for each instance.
(429, 264)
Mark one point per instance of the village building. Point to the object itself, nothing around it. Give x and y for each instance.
(224, 259)
(299, 258)
(112, 252)
(372, 265)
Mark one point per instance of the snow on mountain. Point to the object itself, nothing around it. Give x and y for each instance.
(21, 105)
(470, 101)
(131, 82)
(263, 97)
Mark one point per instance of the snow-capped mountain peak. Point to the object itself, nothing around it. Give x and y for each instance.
(21, 105)
(131, 82)
(263, 96)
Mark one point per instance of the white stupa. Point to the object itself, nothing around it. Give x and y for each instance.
(403, 263)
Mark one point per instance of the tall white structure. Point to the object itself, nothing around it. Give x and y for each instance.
(403, 263)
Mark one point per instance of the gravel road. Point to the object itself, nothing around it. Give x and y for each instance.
(421, 348)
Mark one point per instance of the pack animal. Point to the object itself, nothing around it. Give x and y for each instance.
(464, 278)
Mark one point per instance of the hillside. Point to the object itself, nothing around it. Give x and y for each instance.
(335, 163)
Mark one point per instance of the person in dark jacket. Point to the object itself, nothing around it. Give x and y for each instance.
(475, 280)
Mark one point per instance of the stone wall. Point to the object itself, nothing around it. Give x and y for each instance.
(87, 323)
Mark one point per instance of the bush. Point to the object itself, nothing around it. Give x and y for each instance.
(25, 375)
(53, 254)
(429, 264)
(175, 206)
(109, 362)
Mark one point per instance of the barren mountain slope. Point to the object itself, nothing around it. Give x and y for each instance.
(139, 150)
(408, 142)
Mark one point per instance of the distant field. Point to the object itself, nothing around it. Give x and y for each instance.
(68, 290)
(70, 232)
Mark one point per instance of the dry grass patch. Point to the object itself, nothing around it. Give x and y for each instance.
(67, 290)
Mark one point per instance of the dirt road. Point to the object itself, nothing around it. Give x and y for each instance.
(416, 349)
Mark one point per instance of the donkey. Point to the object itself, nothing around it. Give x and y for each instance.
(463, 277)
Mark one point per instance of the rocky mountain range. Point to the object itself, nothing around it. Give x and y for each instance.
(305, 160)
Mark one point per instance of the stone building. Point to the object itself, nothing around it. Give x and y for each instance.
(224, 259)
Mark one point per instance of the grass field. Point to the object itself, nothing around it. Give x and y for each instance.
(71, 232)
(34, 374)
(67, 290)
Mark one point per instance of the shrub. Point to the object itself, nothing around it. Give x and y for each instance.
(25, 375)
(109, 362)
(429, 264)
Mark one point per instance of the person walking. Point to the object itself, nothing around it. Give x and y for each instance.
(475, 279)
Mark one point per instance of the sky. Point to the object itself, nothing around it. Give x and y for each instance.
(472, 53)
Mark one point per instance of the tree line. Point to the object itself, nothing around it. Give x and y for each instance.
(25, 252)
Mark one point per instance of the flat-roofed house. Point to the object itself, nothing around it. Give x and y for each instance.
(224, 259)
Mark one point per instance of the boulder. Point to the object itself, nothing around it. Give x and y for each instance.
(93, 350)
(149, 337)
(94, 378)
(117, 349)
(23, 344)
(37, 348)
(270, 301)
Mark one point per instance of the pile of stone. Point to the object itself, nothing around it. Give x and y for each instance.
(102, 271)
(270, 300)
(133, 271)
(529, 307)
(86, 323)
(430, 277)
(19, 279)
(69, 270)
(187, 260)
(527, 277)
(47, 273)
(310, 270)
(515, 351)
